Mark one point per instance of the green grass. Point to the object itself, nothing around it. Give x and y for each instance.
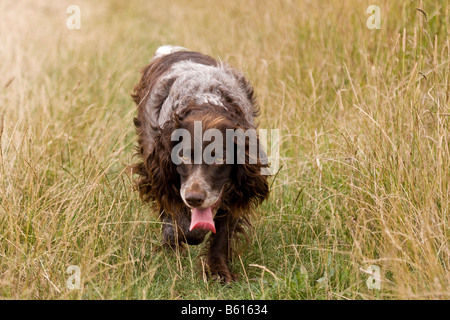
(364, 122)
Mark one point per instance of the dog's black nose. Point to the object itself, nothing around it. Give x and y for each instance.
(195, 199)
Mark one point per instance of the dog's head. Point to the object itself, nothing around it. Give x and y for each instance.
(206, 159)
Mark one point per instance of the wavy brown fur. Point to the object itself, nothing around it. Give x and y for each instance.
(159, 182)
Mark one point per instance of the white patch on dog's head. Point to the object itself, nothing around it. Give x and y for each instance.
(187, 81)
(167, 49)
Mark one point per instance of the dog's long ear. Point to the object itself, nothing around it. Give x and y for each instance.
(250, 186)
(164, 180)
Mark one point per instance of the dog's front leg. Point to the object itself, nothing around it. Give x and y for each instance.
(219, 252)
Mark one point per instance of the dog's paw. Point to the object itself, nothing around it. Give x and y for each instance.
(220, 272)
(223, 277)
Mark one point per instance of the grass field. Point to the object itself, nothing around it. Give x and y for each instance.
(363, 116)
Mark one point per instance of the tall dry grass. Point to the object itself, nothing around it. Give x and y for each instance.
(364, 118)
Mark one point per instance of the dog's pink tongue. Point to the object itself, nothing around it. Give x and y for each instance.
(202, 219)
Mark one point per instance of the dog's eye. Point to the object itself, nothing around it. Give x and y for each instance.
(185, 159)
(219, 160)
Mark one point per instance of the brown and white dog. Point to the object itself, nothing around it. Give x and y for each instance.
(185, 102)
